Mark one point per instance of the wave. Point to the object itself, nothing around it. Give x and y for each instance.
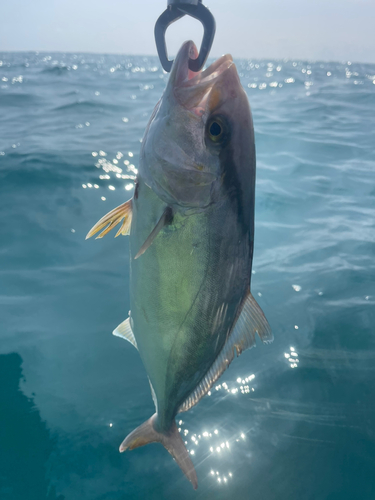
(55, 70)
(86, 106)
(18, 100)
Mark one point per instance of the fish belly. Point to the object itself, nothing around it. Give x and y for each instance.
(186, 290)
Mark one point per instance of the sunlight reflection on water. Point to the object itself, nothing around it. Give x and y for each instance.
(70, 129)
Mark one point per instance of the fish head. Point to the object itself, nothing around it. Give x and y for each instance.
(200, 117)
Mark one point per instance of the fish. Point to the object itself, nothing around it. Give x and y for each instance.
(191, 228)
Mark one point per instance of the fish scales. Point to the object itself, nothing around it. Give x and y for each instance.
(191, 226)
(184, 281)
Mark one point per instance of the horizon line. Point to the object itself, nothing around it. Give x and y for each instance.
(284, 59)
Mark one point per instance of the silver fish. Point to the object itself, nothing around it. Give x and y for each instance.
(191, 226)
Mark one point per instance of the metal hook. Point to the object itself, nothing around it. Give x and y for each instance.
(175, 10)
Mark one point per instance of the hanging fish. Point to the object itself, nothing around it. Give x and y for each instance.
(191, 227)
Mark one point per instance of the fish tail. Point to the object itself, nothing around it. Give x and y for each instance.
(171, 440)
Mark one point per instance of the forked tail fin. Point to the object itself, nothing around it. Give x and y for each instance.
(172, 441)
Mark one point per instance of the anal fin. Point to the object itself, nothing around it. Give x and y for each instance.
(124, 330)
(250, 321)
(111, 219)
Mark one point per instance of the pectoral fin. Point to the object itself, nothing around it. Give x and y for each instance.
(250, 321)
(113, 218)
(164, 220)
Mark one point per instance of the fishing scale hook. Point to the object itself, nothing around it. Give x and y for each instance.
(174, 11)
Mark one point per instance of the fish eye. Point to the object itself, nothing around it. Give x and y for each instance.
(217, 130)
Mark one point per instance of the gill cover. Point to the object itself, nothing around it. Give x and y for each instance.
(178, 160)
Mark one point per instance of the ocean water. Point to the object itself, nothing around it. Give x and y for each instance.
(294, 419)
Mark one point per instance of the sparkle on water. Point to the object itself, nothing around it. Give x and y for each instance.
(283, 414)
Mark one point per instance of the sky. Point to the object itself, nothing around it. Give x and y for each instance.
(340, 30)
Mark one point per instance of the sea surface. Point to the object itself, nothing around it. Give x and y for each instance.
(290, 420)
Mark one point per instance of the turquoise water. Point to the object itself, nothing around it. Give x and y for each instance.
(295, 419)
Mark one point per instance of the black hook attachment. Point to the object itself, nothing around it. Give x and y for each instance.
(175, 10)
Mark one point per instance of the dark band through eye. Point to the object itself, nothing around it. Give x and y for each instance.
(215, 129)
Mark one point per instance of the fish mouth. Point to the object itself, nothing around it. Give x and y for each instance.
(194, 89)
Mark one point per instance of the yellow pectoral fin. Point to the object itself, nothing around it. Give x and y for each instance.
(112, 218)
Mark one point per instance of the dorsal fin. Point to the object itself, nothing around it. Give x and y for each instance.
(250, 321)
(165, 219)
(113, 218)
(124, 330)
